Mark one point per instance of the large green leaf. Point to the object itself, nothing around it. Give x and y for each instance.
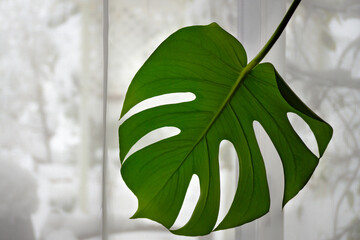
(208, 61)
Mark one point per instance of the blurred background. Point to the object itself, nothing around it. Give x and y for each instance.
(51, 113)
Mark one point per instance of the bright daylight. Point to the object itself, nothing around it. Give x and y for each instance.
(180, 120)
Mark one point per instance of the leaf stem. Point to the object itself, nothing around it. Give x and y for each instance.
(260, 56)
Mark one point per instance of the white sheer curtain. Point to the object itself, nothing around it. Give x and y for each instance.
(51, 104)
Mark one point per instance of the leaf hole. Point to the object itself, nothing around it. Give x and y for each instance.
(153, 137)
(165, 99)
(273, 167)
(304, 132)
(229, 172)
(189, 204)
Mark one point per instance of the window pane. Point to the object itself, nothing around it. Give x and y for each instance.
(136, 29)
(322, 65)
(50, 145)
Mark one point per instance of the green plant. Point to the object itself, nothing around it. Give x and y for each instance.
(230, 95)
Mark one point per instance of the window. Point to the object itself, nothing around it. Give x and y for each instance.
(51, 104)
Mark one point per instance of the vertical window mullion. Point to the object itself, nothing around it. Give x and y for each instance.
(105, 86)
(257, 19)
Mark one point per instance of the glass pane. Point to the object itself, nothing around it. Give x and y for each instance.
(136, 29)
(50, 145)
(323, 68)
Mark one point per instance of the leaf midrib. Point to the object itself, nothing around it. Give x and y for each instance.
(231, 93)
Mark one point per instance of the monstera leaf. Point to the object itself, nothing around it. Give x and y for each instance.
(209, 62)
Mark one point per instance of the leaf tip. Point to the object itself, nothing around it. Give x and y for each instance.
(214, 24)
(328, 136)
(136, 215)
